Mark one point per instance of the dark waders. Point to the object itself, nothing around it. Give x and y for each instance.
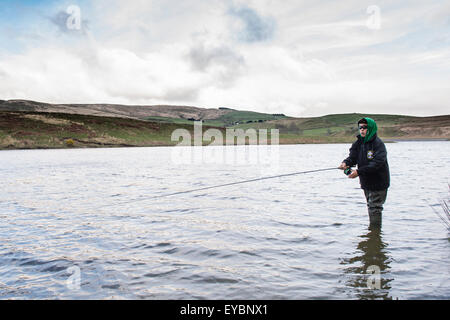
(375, 201)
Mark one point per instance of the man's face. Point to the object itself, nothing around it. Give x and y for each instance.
(362, 129)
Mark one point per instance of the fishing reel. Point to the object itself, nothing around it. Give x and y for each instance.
(348, 171)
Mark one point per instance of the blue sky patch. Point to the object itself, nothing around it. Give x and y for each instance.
(256, 28)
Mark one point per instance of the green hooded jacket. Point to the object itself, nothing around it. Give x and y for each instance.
(371, 129)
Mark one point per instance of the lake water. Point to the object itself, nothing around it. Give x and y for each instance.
(85, 224)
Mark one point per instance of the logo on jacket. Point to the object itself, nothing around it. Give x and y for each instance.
(370, 154)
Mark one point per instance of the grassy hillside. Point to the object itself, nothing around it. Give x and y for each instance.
(238, 117)
(139, 112)
(63, 130)
(343, 127)
(233, 117)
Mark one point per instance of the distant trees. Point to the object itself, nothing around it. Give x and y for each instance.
(251, 121)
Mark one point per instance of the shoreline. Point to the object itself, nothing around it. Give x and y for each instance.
(386, 140)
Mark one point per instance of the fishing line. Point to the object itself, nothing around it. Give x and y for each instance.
(226, 184)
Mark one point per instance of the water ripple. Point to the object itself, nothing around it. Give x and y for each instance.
(80, 224)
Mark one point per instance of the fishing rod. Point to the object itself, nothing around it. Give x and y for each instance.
(229, 184)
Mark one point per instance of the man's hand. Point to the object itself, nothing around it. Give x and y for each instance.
(343, 166)
(353, 175)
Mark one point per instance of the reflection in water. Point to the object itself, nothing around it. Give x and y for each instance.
(368, 271)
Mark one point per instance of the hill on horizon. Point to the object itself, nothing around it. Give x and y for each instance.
(30, 124)
(164, 112)
(222, 116)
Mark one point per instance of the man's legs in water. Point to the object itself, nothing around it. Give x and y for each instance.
(375, 201)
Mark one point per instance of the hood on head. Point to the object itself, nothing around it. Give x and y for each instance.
(371, 128)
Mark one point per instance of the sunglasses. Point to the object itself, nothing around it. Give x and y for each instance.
(362, 127)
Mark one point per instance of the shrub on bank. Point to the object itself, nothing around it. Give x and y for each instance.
(70, 143)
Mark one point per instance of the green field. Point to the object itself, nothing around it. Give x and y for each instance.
(240, 117)
(233, 117)
(343, 127)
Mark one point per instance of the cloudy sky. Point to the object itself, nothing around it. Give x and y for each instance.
(301, 58)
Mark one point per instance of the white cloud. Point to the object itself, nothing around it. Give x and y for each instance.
(302, 59)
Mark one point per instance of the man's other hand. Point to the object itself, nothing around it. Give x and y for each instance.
(353, 175)
(343, 166)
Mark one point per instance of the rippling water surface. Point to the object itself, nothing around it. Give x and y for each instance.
(81, 224)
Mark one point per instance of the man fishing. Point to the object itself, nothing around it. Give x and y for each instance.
(369, 153)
